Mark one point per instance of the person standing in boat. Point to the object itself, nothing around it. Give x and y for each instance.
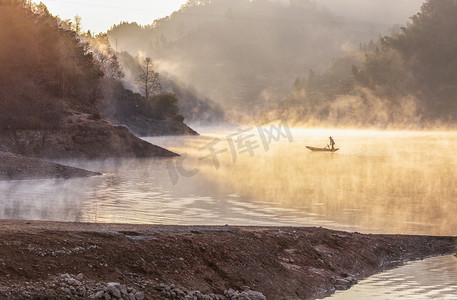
(332, 143)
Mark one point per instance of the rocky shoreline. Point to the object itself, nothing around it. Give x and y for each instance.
(48, 260)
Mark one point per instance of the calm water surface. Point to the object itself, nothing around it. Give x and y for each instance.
(379, 182)
(433, 278)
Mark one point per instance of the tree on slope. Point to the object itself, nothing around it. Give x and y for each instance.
(147, 79)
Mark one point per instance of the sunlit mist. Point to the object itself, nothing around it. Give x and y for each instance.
(379, 181)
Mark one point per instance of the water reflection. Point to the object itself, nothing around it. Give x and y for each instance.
(395, 182)
(432, 278)
(389, 182)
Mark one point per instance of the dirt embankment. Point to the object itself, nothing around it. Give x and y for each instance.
(143, 126)
(172, 262)
(82, 137)
(16, 167)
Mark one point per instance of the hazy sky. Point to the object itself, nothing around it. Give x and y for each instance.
(100, 15)
(375, 11)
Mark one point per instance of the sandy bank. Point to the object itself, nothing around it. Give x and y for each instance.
(168, 262)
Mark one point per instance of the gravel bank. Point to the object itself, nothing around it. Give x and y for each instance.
(109, 261)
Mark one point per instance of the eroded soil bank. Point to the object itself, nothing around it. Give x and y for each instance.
(83, 138)
(17, 167)
(58, 260)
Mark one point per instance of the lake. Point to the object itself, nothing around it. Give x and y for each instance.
(378, 182)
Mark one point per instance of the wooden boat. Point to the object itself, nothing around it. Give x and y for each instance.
(326, 149)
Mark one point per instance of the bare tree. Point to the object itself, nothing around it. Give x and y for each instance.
(147, 79)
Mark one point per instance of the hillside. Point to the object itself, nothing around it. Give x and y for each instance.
(123, 99)
(406, 79)
(50, 91)
(243, 54)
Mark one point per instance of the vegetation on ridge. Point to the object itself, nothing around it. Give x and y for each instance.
(407, 79)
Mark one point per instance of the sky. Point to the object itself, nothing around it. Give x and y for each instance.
(375, 11)
(99, 15)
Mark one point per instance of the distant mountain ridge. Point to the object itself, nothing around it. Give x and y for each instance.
(407, 79)
(243, 54)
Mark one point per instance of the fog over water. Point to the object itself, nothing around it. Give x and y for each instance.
(379, 182)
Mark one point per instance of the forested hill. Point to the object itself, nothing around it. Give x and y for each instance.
(407, 79)
(50, 88)
(45, 72)
(241, 52)
(427, 48)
